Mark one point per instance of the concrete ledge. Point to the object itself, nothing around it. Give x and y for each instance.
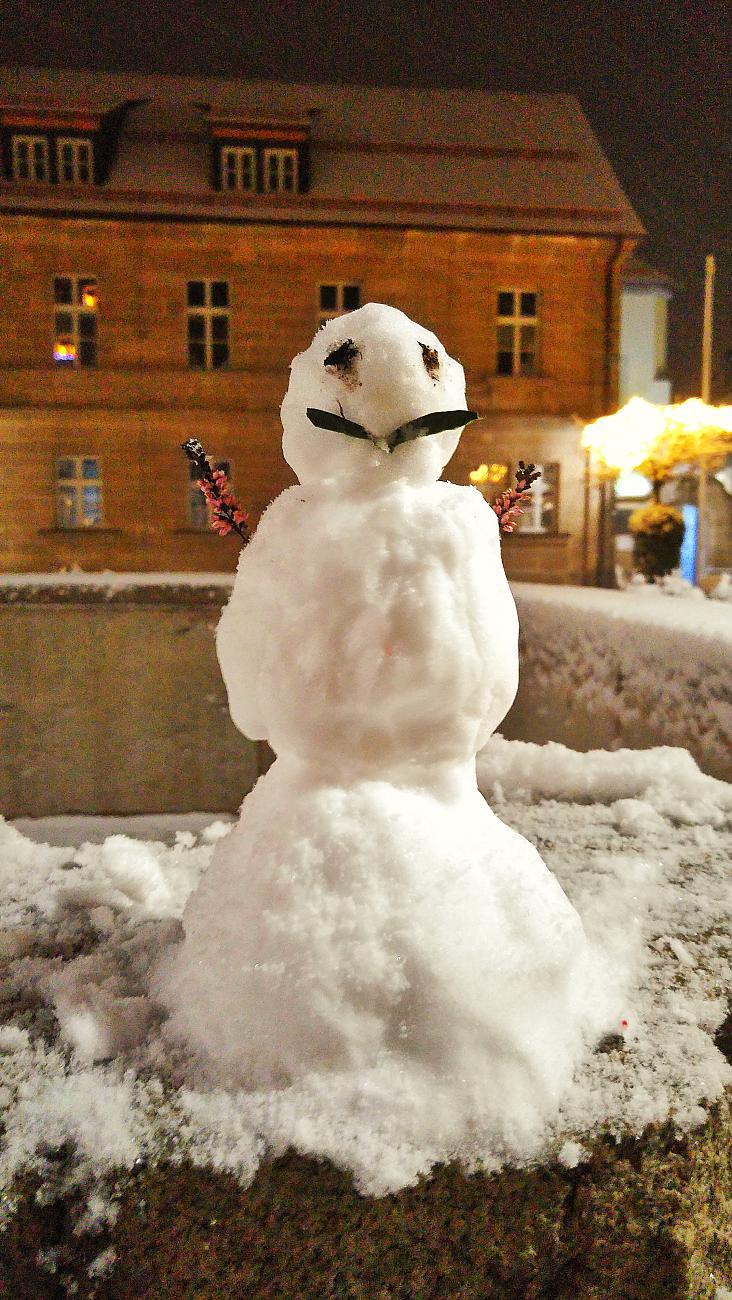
(643, 1220)
(112, 700)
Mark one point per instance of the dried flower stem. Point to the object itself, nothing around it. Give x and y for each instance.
(227, 515)
(508, 505)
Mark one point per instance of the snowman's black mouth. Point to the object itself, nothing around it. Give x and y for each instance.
(433, 422)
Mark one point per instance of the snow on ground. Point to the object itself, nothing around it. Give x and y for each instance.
(83, 1065)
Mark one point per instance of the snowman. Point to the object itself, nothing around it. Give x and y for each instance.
(369, 908)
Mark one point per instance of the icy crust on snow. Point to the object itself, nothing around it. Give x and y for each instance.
(83, 1061)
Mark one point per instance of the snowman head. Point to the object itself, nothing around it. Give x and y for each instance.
(356, 397)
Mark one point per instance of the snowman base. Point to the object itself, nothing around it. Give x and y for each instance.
(398, 932)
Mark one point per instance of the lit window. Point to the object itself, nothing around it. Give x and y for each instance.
(540, 510)
(78, 492)
(238, 169)
(280, 170)
(208, 324)
(74, 161)
(75, 320)
(30, 158)
(199, 512)
(517, 331)
(337, 299)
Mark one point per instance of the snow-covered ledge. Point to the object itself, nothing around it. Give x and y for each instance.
(636, 668)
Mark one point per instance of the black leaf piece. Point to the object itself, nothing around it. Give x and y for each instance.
(336, 423)
(194, 451)
(435, 422)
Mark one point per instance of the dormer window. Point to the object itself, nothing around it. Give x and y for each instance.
(30, 158)
(47, 143)
(280, 170)
(238, 168)
(260, 155)
(74, 161)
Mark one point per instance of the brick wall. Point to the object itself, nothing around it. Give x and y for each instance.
(142, 401)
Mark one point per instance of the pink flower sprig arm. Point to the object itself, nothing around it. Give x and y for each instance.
(227, 515)
(508, 505)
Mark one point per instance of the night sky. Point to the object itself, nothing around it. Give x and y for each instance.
(656, 86)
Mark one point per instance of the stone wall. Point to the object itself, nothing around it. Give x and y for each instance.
(111, 702)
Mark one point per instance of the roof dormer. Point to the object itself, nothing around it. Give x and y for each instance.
(47, 143)
(253, 155)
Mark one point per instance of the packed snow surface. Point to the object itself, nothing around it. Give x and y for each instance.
(639, 842)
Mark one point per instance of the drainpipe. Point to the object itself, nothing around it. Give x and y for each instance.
(605, 569)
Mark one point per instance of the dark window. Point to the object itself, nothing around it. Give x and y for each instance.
(337, 299)
(208, 324)
(62, 289)
(196, 293)
(516, 333)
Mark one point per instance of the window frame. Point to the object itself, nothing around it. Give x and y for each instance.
(239, 153)
(77, 484)
(210, 313)
(282, 155)
(325, 314)
(31, 141)
(515, 321)
(195, 500)
(74, 337)
(75, 143)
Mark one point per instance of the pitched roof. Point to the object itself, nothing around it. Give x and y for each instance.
(380, 155)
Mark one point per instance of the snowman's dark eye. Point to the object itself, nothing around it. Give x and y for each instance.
(343, 358)
(431, 362)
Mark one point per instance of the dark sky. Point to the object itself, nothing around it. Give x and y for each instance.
(655, 82)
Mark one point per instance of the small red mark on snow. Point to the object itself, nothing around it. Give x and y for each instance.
(624, 1024)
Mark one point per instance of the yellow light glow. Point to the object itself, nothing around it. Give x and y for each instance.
(697, 416)
(657, 439)
(89, 297)
(488, 474)
(621, 441)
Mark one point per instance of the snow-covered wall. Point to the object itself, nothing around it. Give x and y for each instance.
(631, 669)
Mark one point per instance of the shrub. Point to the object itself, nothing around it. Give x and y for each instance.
(658, 532)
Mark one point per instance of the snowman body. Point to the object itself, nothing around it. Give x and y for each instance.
(368, 906)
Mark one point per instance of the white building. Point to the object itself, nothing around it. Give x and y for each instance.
(644, 334)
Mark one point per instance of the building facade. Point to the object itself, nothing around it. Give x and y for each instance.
(169, 244)
(644, 334)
